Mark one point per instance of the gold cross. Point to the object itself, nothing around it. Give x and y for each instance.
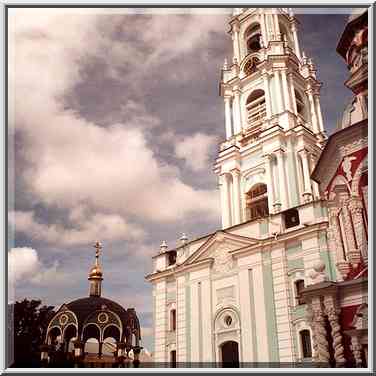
(97, 247)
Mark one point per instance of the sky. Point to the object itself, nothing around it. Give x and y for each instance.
(114, 122)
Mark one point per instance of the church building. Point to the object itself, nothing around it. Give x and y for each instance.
(92, 331)
(241, 295)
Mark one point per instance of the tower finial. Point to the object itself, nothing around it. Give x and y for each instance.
(225, 64)
(98, 248)
(95, 274)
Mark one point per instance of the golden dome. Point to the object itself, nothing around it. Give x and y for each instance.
(96, 272)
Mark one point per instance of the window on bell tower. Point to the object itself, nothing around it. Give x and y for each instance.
(253, 38)
(257, 202)
(300, 105)
(256, 108)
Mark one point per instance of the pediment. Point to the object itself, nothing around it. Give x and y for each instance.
(218, 247)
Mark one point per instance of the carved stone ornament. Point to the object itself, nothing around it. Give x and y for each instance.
(332, 312)
(320, 335)
(223, 262)
(346, 166)
(335, 158)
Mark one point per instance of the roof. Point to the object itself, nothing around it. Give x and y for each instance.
(333, 142)
(354, 20)
(83, 307)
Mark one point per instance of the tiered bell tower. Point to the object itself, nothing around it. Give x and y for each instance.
(273, 120)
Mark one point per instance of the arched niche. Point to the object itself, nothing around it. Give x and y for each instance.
(103, 319)
(257, 202)
(62, 319)
(301, 105)
(227, 328)
(54, 335)
(252, 38)
(256, 108)
(69, 335)
(91, 331)
(111, 331)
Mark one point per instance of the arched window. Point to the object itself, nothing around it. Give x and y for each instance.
(253, 37)
(70, 333)
(305, 341)
(300, 105)
(173, 320)
(256, 108)
(299, 286)
(257, 202)
(54, 336)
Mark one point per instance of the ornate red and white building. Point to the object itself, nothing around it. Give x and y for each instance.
(338, 307)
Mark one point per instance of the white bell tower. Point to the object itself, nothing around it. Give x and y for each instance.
(273, 120)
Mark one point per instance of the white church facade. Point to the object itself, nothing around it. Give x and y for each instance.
(234, 296)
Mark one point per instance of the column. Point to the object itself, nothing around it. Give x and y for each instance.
(136, 356)
(225, 201)
(181, 320)
(353, 253)
(320, 345)
(269, 180)
(356, 348)
(282, 179)
(286, 93)
(356, 210)
(120, 356)
(332, 312)
(313, 112)
(160, 324)
(263, 28)
(206, 319)
(268, 102)
(315, 186)
(228, 116)
(276, 27)
(195, 322)
(319, 113)
(247, 315)
(296, 40)
(278, 92)
(335, 241)
(307, 194)
(236, 111)
(236, 195)
(235, 37)
(292, 91)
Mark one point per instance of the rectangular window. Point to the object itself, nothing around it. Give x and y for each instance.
(173, 358)
(305, 338)
(173, 319)
(299, 286)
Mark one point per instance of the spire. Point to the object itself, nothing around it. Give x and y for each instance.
(95, 274)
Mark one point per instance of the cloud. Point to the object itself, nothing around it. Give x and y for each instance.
(24, 266)
(75, 162)
(196, 150)
(82, 231)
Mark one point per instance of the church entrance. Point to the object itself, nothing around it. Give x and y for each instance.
(230, 354)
